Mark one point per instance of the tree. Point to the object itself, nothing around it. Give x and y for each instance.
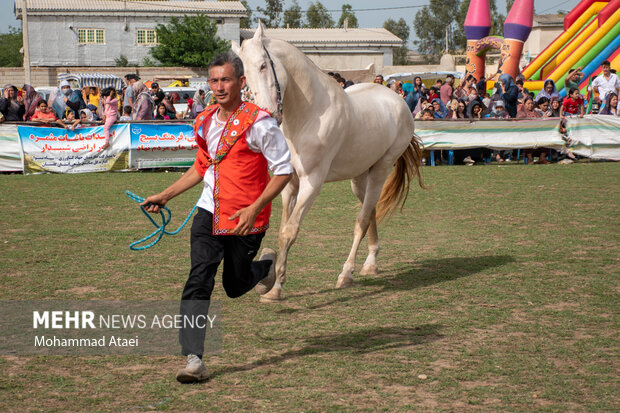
(347, 13)
(318, 17)
(401, 29)
(271, 13)
(191, 41)
(244, 22)
(293, 17)
(10, 45)
(431, 23)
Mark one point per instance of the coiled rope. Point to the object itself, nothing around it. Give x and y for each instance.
(158, 234)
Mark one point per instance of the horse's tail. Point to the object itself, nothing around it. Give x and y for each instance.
(396, 187)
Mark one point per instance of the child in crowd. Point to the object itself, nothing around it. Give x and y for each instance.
(573, 105)
(427, 114)
(44, 115)
(70, 119)
(110, 112)
(126, 114)
(161, 112)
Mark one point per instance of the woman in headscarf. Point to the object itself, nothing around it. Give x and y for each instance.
(440, 111)
(143, 105)
(409, 96)
(420, 106)
(509, 93)
(169, 101)
(527, 111)
(11, 105)
(611, 105)
(474, 110)
(549, 91)
(31, 101)
(64, 97)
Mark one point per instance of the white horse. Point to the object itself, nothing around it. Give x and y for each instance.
(359, 133)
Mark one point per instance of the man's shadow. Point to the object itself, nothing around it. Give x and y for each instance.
(362, 341)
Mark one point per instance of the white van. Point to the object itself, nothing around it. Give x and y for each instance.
(181, 105)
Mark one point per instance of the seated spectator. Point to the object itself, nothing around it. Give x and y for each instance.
(486, 100)
(11, 104)
(549, 91)
(573, 105)
(526, 111)
(126, 114)
(421, 105)
(162, 112)
(86, 115)
(611, 105)
(2, 118)
(542, 107)
(44, 115)
(427, 114)
(499, 110)
(460, 112)
(474, 110)
(555, 107)
(439, 110)
(69, 119)
(144, 104)
(31, 101)
(378, 80)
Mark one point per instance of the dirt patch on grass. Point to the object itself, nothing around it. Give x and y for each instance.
(77, 290)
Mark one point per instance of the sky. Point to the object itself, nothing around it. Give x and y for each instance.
(394, 9)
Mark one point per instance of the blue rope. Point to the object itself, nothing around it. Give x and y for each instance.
(166, 215)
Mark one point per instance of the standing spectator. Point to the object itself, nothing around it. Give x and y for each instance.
(573, 79)
(438, 84)
(130, 79)
(509, 93)
(126, 114)
(418, 88)
(433, 94)
(158, 94)
(64, 97)
(549, 91)
(44, 115)
(169, 101)
(573, 105)
(465, 88)
(523, 92)
(144, 105)
(162, 112)
(611, 105)
(606, 83)
(110, 113)
(378, 80)
(11, 105)
(445, 92)
(92, 96)
(31, 101)
(200, 103)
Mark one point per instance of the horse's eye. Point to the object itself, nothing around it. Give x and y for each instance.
(263, 67)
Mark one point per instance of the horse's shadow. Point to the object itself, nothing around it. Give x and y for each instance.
(414, 275)
(362, 341)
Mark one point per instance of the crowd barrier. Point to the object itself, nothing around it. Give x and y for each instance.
(36, 149)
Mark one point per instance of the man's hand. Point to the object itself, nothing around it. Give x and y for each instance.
(154, 203)
(246, 216)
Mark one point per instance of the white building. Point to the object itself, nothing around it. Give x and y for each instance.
(96, 32)
(340, 49)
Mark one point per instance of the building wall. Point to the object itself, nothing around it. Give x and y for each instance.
(540, 38)
(53, 40)
(350, 59)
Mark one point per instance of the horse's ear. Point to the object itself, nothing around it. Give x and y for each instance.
(259, 32)
(235, 47)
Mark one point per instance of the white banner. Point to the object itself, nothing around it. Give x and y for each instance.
(595, 136)
(10, 151)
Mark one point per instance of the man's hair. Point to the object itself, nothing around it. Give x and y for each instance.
(127, 110)
(228, 57)
(571, 71)
(130, 76)
(450, 76)
(428, 112)
(606, 63)
(470, 77)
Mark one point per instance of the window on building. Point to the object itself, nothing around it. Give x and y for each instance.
(147, 36)
(91, 36)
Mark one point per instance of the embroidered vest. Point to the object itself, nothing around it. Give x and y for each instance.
(241, 175)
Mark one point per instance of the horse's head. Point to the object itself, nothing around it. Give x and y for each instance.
(264, 72)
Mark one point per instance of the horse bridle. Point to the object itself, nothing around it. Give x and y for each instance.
(275, 76)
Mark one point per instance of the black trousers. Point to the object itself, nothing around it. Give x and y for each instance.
(240, 273)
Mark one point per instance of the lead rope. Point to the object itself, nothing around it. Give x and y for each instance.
(275, 76)
(161, 229)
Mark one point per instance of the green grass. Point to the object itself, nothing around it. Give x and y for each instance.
(500, 284)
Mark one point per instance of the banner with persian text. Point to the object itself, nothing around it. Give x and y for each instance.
(60, 150)
(157, 146)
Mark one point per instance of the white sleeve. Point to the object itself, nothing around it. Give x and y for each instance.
(265, 137)
(596, 82)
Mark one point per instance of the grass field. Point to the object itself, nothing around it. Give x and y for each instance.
(498, 290)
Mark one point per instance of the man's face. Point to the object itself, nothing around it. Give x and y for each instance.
(379, 80)
(606, 70)
(154, 89)
(225, 86)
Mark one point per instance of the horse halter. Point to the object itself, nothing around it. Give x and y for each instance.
(278, 91)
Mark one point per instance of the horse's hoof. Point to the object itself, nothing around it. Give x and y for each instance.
(273, 296)
(344, 282)
(369, 269)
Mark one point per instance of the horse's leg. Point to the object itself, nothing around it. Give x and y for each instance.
(309, 188)
(289, 196)
(374, 184)
(358, 185)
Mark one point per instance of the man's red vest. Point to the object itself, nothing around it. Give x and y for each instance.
(241, 175)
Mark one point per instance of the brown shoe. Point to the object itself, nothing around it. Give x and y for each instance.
(266, 284)
(195, 371)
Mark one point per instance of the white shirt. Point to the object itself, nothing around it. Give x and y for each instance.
(264, 137)
(606, 86)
